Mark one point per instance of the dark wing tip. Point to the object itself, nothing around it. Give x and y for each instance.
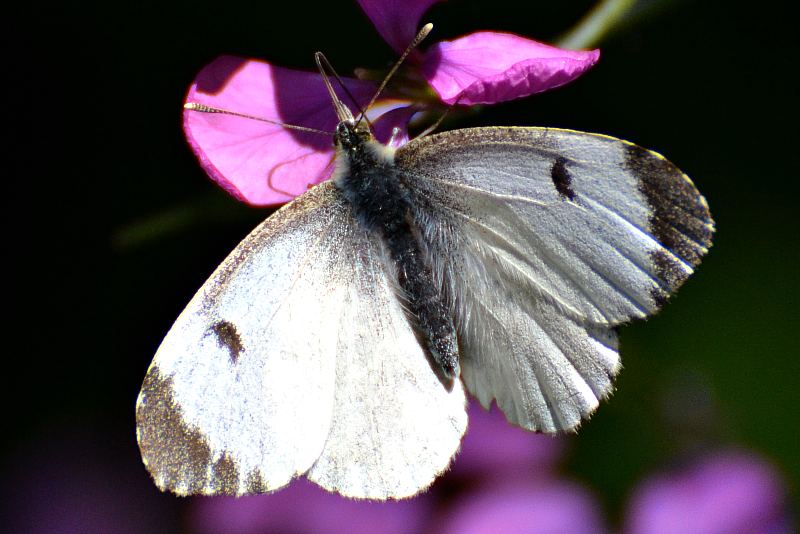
(680, 219)
(178, 457)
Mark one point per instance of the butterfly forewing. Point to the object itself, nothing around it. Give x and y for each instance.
(239, 372)
(544, 240)
(296, 356)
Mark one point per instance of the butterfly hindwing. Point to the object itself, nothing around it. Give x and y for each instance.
(396, 426)
(544, 240)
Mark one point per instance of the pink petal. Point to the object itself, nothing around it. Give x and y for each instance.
(397, 21)
(492, 448)
(304, 507)
(75, 478)
(257, 162)
(489, 67)
(398, 117)
(728, 491)
(520, 508)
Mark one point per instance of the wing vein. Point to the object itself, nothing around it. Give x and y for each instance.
(506, 246)
(528, 403)
(479, 191)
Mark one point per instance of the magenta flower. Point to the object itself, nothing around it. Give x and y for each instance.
(522, 507)
(265, 164)
(76, 480)
(260, 162)
(304, 507)
(724, 492)
(510, 483)
(492, 449)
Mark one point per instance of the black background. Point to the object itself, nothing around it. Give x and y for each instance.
(111, 225)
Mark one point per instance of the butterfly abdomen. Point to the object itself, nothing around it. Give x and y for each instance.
(382, 205)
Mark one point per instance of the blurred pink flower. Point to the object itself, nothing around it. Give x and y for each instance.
(496, 458)
(725, 492)
(507, 481)
(76, 480)
(494, 449)
(522, 507)
(303, 507)
(264, 164)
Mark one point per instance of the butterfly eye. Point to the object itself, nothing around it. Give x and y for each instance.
(350, 136)
(343, 135)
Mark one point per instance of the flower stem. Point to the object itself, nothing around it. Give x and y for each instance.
(596, 24)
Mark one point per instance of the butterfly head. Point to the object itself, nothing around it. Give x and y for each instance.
(351, 136)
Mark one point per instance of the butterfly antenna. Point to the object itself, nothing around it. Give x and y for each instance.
(202, 108)
(436, 124)
(417, 40)
(320, 58)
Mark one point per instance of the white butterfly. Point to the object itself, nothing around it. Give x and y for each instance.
(336, 340)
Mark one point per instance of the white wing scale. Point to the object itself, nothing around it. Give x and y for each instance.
(396, 426)
(545, 240)
(272, 371)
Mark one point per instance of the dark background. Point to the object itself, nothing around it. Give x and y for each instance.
(111, 225)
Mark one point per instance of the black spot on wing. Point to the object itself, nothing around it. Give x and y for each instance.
(228, 337)
(562, 178)
(679, 220)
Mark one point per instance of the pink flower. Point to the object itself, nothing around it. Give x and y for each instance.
(482, 67)
(259, 162)
(729, 491)
(489, 67)
(304, 507)
(494, 450)
(264, 164)
(520, 507)
(76, 478)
